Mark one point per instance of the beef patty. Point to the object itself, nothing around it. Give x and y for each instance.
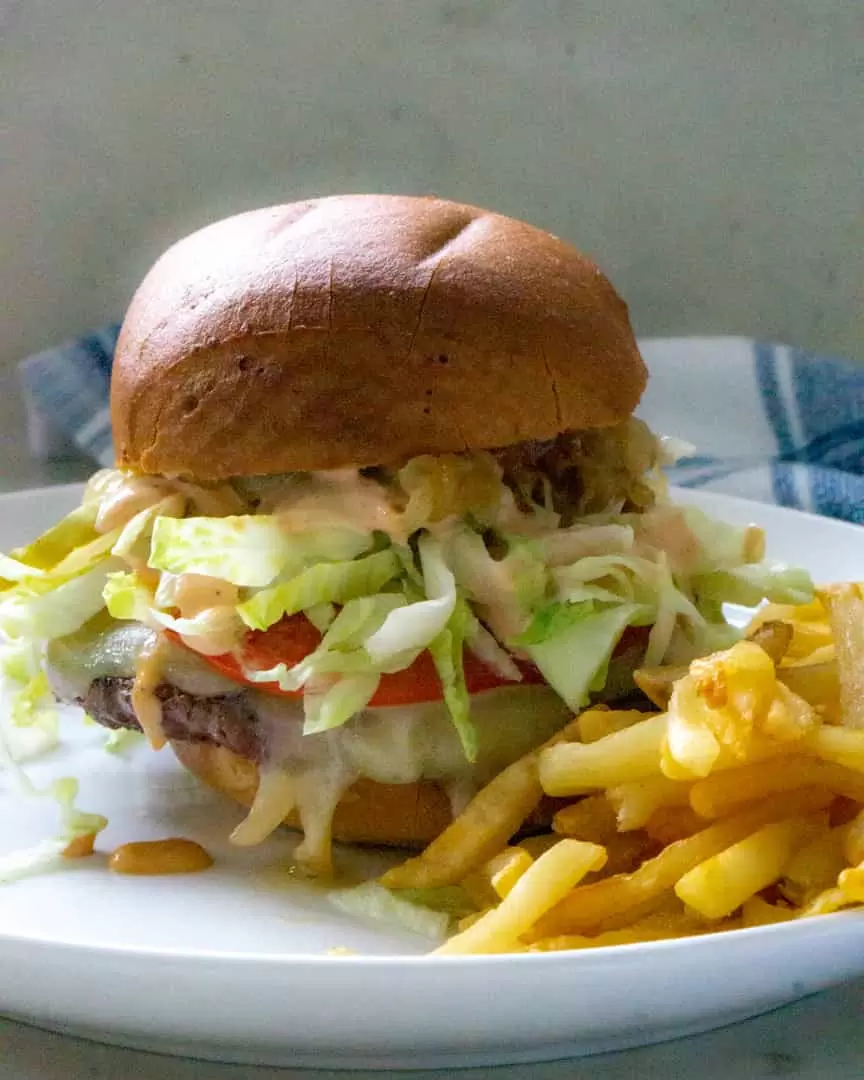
(227, 720)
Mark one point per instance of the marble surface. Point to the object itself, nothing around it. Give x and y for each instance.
(821, 1038)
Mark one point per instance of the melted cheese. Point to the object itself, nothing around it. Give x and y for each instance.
(393, 745)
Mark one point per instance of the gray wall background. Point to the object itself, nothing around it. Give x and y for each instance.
(706, 152)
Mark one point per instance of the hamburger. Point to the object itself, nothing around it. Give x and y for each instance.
(381, 520)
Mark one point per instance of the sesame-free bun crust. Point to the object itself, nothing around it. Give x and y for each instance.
(394, 815)
(361, 330)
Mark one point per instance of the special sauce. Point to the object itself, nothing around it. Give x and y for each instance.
(171, 856)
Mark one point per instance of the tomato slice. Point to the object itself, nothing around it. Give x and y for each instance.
(293, 638)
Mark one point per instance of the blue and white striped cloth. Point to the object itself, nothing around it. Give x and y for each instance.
(769, 422)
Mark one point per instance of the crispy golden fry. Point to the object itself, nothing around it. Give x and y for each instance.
(479, 890)
(730, 707)
(758, 912)
(848, 891)
(637, 801)
(482, 829)
(853, 840)
(631, 754)
(774, 637)
(627, 851)
(656, 682)
(595, 724)
(720, 884)
(842, 745)
(587, 907)
(816, 683)
(845, 606)
(809, 623)
(592, 818)
(539, 888)
(668, 824)
(538, 844)
(505, 869)
(724, 792)
(816, 865)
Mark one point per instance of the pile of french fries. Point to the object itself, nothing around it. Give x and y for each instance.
(740, 804)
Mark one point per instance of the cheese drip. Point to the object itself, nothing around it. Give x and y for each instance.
(310, 774)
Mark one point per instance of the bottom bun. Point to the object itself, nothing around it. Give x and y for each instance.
(392, 815)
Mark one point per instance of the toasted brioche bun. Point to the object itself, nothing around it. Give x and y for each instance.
(361, 330)
(393, 815)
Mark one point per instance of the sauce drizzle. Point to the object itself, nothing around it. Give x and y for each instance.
(172, 856)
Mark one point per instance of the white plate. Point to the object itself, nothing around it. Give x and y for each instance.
(233, 964)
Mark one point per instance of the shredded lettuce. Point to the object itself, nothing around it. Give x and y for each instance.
(26, 701)
(138, 530)
(122, 739)
(242, 550)
(74, 824)
(13, 570)
(505, 590)
(324, 583)
(333, 707)
(552, 619)
(752, 583)
(722, 545)
(340, 651)
(574, 661)
(247, 550)
(321, 616)
(47, 614)
(486, 648)
(416, 625)
(372, 901)
(446, 650)
(127, 597)
(73, 531)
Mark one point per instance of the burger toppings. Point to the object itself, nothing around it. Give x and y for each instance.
(349, 599)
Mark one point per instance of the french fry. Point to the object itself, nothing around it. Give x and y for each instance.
(848, 892)
(809, 623)
(816, 865)
(724, 792)
(627, 851)
(631, 754)
(758, 912)
(538, 844)
(595, 724)
(720, 884)
(845, 606)
(668, 824)
(592, 818)
(590, 905)
(505, 869)
(636, 801)
(482, 829)
(539, 888)
(842, 745)
(816, 683)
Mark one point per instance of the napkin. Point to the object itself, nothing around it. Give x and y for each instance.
(768, 422)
